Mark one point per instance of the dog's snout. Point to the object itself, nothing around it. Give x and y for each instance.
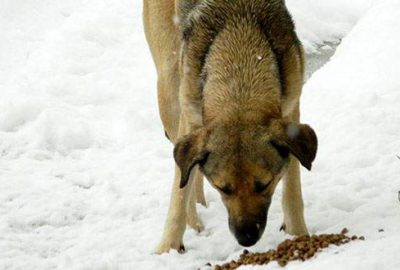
(247, 233)
(248, 227)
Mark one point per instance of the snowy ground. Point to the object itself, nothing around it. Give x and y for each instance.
(85, 170)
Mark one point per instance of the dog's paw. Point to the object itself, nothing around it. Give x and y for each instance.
(165, 247)
(201, 200)
(298, 230)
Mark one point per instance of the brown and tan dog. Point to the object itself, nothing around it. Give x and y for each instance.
(230, 74)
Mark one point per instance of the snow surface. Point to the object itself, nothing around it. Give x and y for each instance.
(85, 170)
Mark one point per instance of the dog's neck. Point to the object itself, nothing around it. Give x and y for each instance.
(241, 115)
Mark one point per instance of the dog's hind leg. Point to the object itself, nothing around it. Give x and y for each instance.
(292, 199)
(199, 186)
(193, 220)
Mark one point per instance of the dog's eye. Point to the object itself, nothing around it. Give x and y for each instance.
(227, 190)
(261, 187)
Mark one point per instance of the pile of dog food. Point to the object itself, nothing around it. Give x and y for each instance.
(300, 248)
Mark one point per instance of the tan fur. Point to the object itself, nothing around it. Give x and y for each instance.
(229, 81)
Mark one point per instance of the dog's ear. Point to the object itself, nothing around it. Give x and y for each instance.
(300, 139)
(189, 151)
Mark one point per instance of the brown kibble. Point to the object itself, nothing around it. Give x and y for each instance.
(233, 265)
(300, 245)
(362, 238)
(282, 262)
(300, 248)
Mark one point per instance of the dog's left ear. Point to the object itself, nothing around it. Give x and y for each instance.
(300, 139)
(189, 151)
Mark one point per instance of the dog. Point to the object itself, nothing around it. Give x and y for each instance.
(230, 74)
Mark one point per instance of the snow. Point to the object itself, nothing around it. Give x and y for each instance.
(85, 170)
(321, 21)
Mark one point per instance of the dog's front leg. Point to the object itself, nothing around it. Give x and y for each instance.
(181, 211)
(175, 224)
(292, 199)
(182, 208)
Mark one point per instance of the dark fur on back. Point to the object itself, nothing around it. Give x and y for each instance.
(202, 20)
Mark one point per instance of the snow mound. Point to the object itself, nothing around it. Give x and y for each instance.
(322, 21)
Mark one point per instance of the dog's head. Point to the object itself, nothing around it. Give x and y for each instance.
(245, 163)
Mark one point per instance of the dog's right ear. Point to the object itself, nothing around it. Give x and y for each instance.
(189, 151)
(299, 139)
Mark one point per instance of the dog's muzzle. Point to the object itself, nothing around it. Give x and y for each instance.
(248, 234)
(248, 231)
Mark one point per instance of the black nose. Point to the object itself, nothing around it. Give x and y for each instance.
(247, 235)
